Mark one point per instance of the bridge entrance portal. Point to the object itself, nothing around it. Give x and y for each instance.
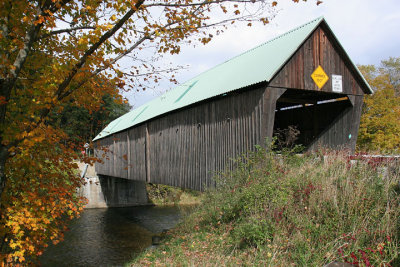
(301, 117)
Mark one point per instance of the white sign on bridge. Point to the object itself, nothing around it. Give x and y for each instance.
(337, 85)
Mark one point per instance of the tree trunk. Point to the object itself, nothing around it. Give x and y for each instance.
(3, 178)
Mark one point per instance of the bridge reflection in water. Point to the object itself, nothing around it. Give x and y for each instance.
(111, 237)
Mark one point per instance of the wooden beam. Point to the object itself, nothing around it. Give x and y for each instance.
(147, 144)
(297, 101)
(128, 152)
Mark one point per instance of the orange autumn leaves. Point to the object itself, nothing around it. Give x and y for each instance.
(57, 52)
(39, 206)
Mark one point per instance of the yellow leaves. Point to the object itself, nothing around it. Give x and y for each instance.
(13, 245)
(113, 18)
(380, 121)
(83, 41)
(39, 199)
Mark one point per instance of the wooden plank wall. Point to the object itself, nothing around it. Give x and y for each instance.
(137, 153)
(188, 147)
(317, 50)
(343, 132)
(327, 125)
(104, 151)
(321, 49)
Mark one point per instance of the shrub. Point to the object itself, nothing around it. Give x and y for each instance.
(292, 210)
(312, 209)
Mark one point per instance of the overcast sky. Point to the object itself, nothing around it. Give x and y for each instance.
(369, 30)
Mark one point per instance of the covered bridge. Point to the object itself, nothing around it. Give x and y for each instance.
(303, 78)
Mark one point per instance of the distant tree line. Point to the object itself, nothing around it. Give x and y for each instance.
(82, 125)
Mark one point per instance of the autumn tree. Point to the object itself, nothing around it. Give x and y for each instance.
(380, 121)
(54, 52)
(82, 125)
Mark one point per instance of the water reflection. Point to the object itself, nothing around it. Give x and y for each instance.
(111, 237)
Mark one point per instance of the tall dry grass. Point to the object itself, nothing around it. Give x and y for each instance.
(290, 210)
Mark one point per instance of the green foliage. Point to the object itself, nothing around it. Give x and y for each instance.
(166, 195)
(293, 210)
(60, 57)
(82, 125)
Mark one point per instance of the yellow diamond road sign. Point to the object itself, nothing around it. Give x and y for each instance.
(320, 77)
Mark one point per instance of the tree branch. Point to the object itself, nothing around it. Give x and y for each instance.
(30, 38)
(93, 48)
(198, 4)
(69, 30)
(98, 70)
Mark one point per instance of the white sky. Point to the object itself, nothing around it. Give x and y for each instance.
(369, 30)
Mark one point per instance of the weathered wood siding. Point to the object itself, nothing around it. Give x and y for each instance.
(334, 125)
(320, 49)
(343, 131)
(317, 50)
(186, 148)
(137, 153)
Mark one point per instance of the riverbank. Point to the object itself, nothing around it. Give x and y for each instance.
(290, 211)
(161, 195)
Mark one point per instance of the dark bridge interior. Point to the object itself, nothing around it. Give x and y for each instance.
(301, 116)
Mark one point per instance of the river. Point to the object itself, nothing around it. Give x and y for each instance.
(111, 237)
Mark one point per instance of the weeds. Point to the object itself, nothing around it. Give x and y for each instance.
(169, 195)
(290, 210)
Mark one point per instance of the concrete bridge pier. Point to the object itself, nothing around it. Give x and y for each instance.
(106, 191)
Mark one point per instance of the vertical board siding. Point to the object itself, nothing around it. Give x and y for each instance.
(317, 50)
(337, 135)
(137, 152)
(104, 151)
(187, 148)
(120, 155)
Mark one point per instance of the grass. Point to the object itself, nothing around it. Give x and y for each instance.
(289, 210)
(169, 195)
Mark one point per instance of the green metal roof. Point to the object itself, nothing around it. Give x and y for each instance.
(259, 64)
